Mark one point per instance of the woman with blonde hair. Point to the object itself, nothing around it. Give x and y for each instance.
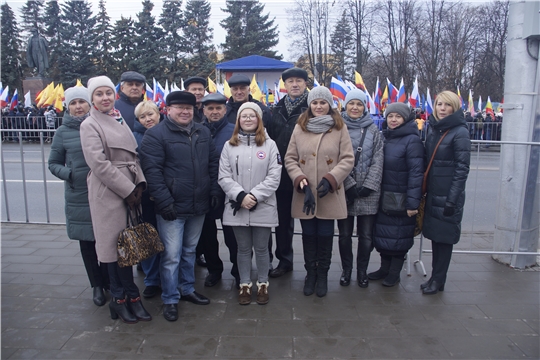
(445, 184)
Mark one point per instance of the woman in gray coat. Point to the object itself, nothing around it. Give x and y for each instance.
(249, 174)
(66, 162)
(362, 187)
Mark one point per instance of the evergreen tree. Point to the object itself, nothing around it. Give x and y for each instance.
(32, 16)
(9, 48)
(76, 53)
(147, 54)
(53, 25)
(198, 34)
(172, 21)
(123, 42)
(342, 44)
(103, 52)
(248, 31)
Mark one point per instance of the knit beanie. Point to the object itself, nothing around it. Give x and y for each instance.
(400, 108)
(76, 92)
(320, 92)
(252, 106)
(99, 81)
(356, 94)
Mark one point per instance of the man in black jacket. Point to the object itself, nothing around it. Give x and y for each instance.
(197, 86)
(280, 128)
(239, 85)
(132, 89)
(180, 162)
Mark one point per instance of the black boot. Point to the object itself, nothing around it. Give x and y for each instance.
(136, 307)
(345, 279)
(433, 288)
(324, 258)
(309, 244)
(426, 284)
(362, 279)
(393, 277)
(99, 296)
(118, 308)
(383, 270)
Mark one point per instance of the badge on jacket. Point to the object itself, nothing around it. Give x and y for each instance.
(261, 155)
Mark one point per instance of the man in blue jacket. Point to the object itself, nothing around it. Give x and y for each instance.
(180, 162)
(132, 89)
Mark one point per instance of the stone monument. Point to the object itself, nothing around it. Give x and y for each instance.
(37, 58)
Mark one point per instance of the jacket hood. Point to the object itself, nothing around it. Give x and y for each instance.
(451, 121)
(407, 128)
(362, 122)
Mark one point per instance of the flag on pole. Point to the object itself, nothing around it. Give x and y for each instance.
(79, 83)
(489, 107)
(212, 88)
(461, 101)
(414, 99)
(338, 88)
(159, 95)
(371, 105)
(117, 91)
(401, 96)
(4, 97)
(470, 107)
(429, 104)
(149, 93)
(377, 96)
(359, 82)
(266, 95)
(166, 90)
(480, 104)
(59, 100)
(27, 100)
(315, 83)
(384, 99)
(392, 92)
(14, 100)
(277, 97)
(227, 90)
(500, 107)
(255, 90)
(44, 94)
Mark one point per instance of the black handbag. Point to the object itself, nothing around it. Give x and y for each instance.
(137, 242)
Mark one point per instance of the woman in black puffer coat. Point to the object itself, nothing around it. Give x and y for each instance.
(445, 184)
(403, 171)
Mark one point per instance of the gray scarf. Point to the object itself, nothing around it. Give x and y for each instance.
(291, 105)
(80, 119)
(320, 124)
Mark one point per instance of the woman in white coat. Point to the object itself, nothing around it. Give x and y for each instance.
(249, 174)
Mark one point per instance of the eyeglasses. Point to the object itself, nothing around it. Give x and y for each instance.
(248, 117)
(182, 108)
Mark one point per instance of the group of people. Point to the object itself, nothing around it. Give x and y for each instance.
(233, 159)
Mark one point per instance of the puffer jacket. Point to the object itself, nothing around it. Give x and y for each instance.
(403, 172)
(447, 177)
(252, 169)
(280, 130)
(66, 162)
(181, 168)
(368, 170)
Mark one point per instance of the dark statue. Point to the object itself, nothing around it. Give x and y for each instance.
(36, 53)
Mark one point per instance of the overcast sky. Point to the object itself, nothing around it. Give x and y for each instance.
(126, 8)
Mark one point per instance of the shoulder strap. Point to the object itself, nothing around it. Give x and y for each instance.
(359, 149)
(424, 183)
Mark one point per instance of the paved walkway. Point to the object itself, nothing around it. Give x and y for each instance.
(487, 311)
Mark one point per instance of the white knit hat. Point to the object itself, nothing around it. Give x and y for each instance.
(320, 92)
(252, 106)
(99, 81)
(76, 92)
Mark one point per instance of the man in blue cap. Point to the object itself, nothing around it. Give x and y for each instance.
(132, 89)
(239, 85)
(197, 86)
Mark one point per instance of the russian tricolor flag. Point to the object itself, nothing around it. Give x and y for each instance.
(429, 104)
(14, 100)
(338, 88)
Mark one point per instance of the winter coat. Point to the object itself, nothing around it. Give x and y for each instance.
(368, 170)
(232, 110)
(110, 151)
(280, 129)
(403, 172)
(252, 169)
(127, 108)
(221, 132)
(447, 177)
(66, 162)
(314, 156)
(180, 168)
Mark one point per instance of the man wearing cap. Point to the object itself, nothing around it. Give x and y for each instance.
(221, 130)
(196, 85)
(180, 162)
(239, 85)
(280, 128)
(132, 88)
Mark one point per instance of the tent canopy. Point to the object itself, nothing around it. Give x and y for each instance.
(254, 62)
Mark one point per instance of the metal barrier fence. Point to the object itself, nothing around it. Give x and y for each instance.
(10, 125)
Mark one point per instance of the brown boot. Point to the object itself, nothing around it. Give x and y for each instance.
(262, 293)
(244, 297)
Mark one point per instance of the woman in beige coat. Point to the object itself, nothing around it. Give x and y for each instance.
(319, 158)
(115, 181)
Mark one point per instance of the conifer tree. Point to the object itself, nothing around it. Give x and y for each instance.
(198, 34)
(32, 16)
(9, 48)
(103, 52)
(124, 44)
(249, 32)
(173, 23)
(53, 25)
(76, 52)
(147, 54)
(342, 46)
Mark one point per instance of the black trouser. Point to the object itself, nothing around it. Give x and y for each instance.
(230, 242)
(285, 230)
(97, 272)
(209, 246)
(442, 254)
(122, 281)
(364, 230)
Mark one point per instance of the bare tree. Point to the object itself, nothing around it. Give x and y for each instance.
(361, 14)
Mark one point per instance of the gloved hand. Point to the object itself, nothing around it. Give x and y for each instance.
(134, 199)
(235, 205)
(309, 201)
(351, 195)
(449, 209)
(138, 191)
(364, 192)
(214, 202)
(168, 213)
(323, 188)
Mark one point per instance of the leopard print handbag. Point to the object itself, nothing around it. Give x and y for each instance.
(137, 242)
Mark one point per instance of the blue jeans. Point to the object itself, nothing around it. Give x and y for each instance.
(150, 267)
(177, 268)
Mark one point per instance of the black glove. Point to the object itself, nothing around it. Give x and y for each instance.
(134, 199)
(323, 188)
(364, 192)
(449, 209)
(214, 202)
(351, 195)
(168, 213)
(309, 201)
(235, 205)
